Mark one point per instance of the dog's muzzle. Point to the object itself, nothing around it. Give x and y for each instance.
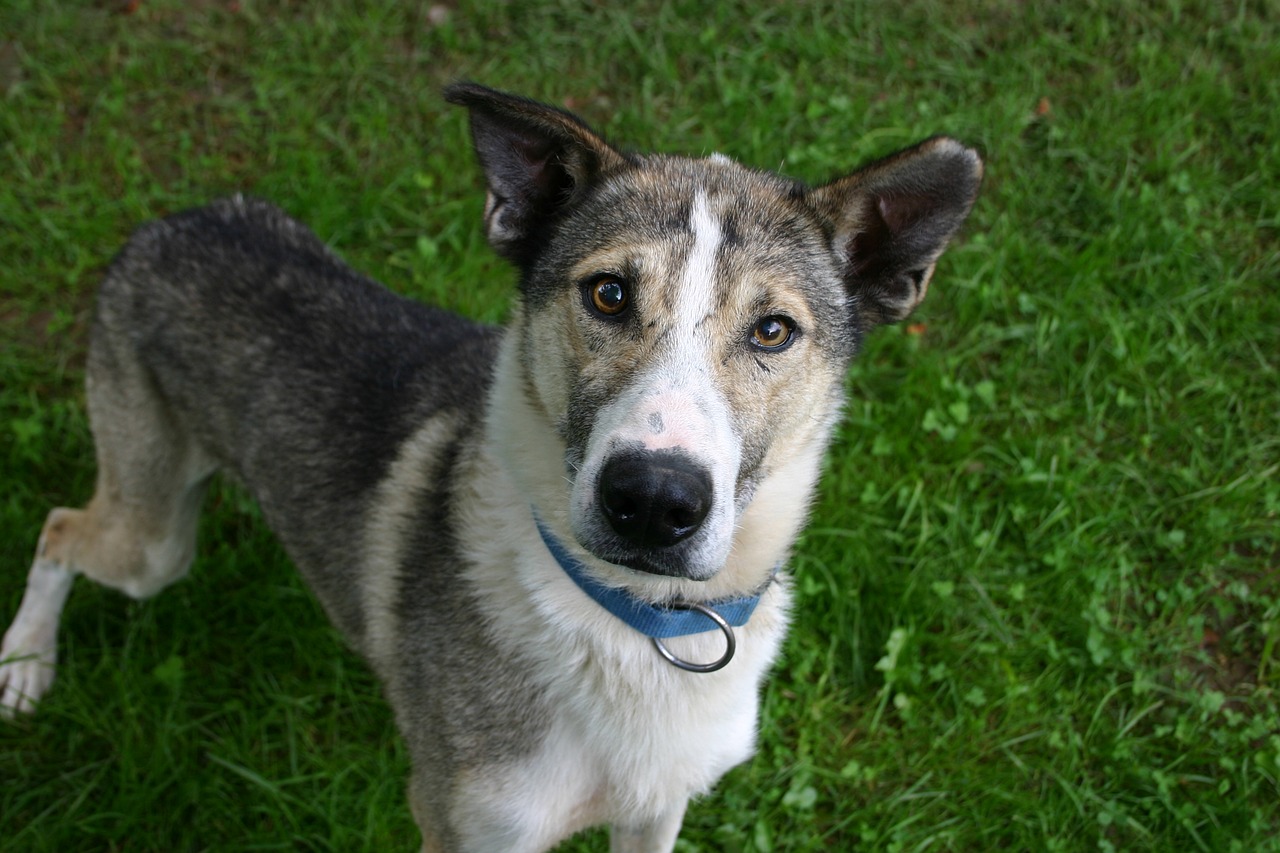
(654, 499)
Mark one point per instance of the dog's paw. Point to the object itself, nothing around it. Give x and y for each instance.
(26, 671)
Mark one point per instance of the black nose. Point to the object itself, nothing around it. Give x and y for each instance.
(654, 499)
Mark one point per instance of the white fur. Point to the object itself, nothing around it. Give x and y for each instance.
(699, 271)
(30, 648)
(391, 517)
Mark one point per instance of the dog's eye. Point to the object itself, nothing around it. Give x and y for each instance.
(607, 296)
(773, 333)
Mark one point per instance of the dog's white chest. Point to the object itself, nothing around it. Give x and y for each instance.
(622, 750)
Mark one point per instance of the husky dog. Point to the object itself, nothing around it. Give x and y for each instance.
(559, 544)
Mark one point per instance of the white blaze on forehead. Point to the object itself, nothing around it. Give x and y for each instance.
(695, 298)
(681, 391)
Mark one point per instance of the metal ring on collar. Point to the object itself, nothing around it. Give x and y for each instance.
(731, 644)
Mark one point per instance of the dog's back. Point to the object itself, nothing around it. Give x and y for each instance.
(289, 371)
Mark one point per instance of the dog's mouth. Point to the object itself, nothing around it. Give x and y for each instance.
(653, 563)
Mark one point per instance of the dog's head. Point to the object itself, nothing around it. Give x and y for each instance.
(686, 324)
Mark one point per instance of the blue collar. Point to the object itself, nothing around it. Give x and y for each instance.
(652, 620)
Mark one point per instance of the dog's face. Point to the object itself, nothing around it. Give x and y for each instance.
(686, 315)
(686, 324)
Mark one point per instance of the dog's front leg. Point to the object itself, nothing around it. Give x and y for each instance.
(658, 836)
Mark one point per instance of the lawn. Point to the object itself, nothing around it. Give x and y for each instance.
(1039, 599)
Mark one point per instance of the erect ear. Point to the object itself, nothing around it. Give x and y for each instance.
(892, 219)
(537, 160)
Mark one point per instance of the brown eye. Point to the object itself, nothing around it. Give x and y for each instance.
(607, 295)
(773, 333)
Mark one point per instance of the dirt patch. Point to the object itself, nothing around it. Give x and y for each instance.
(1233, 644)
(55, 336)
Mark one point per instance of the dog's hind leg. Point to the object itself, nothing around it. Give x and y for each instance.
(137, 534)
(29, 650)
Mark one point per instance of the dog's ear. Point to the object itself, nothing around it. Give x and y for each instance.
(892, 219)
(536, 159)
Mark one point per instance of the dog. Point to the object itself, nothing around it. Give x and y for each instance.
(559, 544)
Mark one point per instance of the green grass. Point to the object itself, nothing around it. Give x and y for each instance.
(1040, 596)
